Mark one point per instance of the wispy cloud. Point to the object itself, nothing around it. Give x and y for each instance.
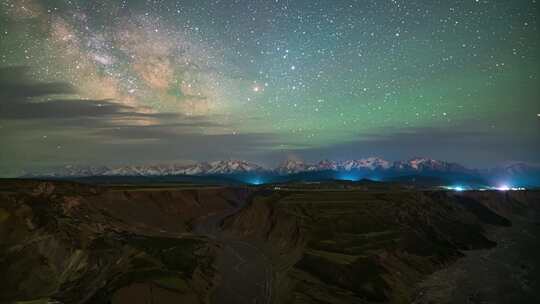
(57, 104)
(22, 98)
(53, 127)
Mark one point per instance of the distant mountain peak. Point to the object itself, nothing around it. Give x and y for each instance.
(418, 164)
(365, 166)
(327, 165)
(232, 166)
(372, 163)
(293, 166)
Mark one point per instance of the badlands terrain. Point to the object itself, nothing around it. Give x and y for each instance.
(327, 242)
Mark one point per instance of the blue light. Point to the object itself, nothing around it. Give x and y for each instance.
(255, 181)
(504, 188)
(458, 188)
(348, 177)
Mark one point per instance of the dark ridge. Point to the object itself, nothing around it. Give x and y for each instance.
(482, 212)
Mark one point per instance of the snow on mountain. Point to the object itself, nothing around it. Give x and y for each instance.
(196, 169)
(232, 167)
(420, 164)
(325, 165)
(69, 171)
(203, 168)
(294, 166)
(371, 163)
(415, 165)
(239, 167)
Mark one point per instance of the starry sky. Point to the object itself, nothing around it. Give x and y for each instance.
(139, 81)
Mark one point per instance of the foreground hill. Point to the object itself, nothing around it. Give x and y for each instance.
(74, 243)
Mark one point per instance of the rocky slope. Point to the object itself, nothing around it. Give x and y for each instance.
(363, 247)
(81, 244)
(508, 273)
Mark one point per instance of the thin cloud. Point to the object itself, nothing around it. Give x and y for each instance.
(22, 98)
(466, 143)
(55, 104)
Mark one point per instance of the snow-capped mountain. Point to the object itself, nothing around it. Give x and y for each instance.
(325, 165)
(232, 167)
(419, 164)
(515, 172)
(294, 166)
(371, 163)
(242, 167)
(69, 171)
(203, 168)
(196, 169)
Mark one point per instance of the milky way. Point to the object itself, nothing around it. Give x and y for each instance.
(276, 79)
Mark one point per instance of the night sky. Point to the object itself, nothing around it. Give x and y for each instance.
(119, 82)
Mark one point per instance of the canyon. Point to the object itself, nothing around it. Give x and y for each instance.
(67, 242)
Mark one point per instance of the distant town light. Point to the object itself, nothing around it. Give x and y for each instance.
(503, 188)
(518, 189)
(455, 188)
(349, 177)
(255, 181)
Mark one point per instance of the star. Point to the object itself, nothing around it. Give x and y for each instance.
(351, 70)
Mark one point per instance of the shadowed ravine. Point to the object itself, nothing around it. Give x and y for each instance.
(508, 273)
(246, 272)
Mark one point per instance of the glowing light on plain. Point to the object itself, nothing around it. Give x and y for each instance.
(504, 188)
(256, 181)
(456, 188)
(348, 177)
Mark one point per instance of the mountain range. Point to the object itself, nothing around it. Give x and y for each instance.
(372, 167)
